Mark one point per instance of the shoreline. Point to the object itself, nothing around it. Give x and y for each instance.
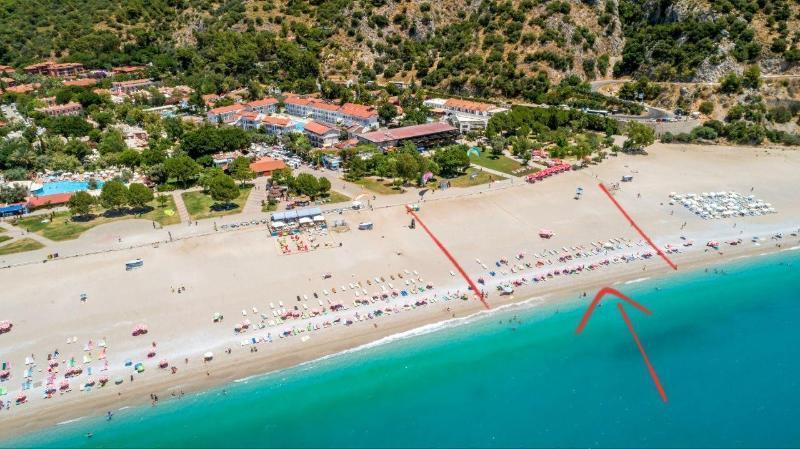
(241, 367)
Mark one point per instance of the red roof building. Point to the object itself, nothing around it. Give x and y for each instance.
(130, 86)
(127, 69)
(265, 166)
(35, 202)
(425, 136)
(320, 135)
(60, 70)
(61, 110)
(264, 106)
(23, 88)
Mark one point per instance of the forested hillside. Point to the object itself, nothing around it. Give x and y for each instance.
(510, 48)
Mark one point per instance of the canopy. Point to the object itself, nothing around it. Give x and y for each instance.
(319, 218)
(305, 220)
(278, 224)
(292, 215)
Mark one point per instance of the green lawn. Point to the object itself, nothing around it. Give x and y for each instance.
(499, 163)
(63, 227)
(467, 180)
(383, 187)
(201, 205)
(20, 246)
(4, 238)
(337, 197)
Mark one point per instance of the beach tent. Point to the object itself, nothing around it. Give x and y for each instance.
(319, 218)
(305, 220)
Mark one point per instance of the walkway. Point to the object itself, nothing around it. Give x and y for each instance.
(182, 212)
(257, 195)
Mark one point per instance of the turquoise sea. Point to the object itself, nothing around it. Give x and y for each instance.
(726, 345)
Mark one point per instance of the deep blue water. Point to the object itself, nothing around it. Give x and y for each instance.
(724, 344)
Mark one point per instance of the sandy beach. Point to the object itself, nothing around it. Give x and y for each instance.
(243, 274)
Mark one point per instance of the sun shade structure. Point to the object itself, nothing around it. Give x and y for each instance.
(296, 215)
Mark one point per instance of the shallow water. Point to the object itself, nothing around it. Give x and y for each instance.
(725, 346)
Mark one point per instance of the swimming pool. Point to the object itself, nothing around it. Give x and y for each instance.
(54, 188)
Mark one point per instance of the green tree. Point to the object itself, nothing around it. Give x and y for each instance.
(81, 203)
(730, 84)
(129, 158)
(240, 170)
(497, 144)
(452, 160)
(751, 77)
(223, 189)
(182, 168)
(324, 186)
(63, 162)
(75, 147)
(14, 193)
(68, 126)
(407, 166)
(111, 142)
(639, 137)
(114, 195)
(387, 112)
(307, 184)
(139, 195)
(162, 200)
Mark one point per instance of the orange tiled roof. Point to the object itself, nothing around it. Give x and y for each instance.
(316, 128)
(267, 165)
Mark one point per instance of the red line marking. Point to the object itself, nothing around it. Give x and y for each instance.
(608, 291)
(453, 260)
(638, 229)
(650, 368)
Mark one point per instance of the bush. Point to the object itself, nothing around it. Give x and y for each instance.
(706, 108)
(780, 114)
(703, 132)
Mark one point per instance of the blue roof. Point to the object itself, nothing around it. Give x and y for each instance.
(13, 208)
(296, 214)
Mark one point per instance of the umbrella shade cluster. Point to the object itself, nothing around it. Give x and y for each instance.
(711, 205)
(5, 326)
(549, 171)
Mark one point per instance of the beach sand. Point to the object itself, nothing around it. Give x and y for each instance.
(234, 271)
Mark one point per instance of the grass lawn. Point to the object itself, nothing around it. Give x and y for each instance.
(500, 163)
(383, 187)
(201, 205)
(336, 197)
(20, 246)
(4, 238)
(467, 180)
(63, 227)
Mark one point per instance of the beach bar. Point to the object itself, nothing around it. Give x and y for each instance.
(292, 219)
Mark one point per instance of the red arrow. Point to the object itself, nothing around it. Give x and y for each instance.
(597, 298)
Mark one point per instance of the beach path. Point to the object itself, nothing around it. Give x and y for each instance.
(257, 195)
(182, 212)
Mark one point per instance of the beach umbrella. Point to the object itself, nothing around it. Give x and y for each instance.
(208, 355)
